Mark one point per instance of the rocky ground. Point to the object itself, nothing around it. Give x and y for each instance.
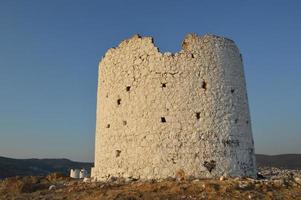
(274, 184)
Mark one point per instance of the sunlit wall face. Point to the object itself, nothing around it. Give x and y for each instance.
(50, 51)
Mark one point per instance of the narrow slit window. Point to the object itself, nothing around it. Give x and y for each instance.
(118, 101)
(198, 115)
(204, 85)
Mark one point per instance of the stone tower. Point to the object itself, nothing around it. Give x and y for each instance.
(161, 114)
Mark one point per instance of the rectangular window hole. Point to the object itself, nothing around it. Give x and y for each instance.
(198, 115)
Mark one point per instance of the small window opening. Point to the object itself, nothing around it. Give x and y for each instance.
(118, 101)
(117, 153)
(240, 57)
(198, 115)
(128, 88)
(163, 120)
(210, 165)
(108, 126)
(236, 120)
(163, 85)
(192, 56)
(204, 85)
(232, 91)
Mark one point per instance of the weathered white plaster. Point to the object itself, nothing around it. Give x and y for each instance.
(163, 114)
(74, 173)
(83, 173)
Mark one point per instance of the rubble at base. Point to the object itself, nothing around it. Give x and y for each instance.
(276, 184)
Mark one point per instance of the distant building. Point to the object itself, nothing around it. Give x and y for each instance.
(83, 173)
(74, 173)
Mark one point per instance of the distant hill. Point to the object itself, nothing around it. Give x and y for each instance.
(41, 167)
(287, 161)
(38, 167)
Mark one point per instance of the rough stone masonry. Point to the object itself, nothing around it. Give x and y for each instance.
(163, 115)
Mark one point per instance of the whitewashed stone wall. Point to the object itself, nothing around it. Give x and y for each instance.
(161, 115)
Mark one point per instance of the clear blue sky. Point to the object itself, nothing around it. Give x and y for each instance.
(49, 54)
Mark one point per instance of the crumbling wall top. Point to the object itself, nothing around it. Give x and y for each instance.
(191, 43)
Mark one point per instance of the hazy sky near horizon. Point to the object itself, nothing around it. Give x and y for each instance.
(49, 54)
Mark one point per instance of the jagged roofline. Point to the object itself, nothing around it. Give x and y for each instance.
(189, 36)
